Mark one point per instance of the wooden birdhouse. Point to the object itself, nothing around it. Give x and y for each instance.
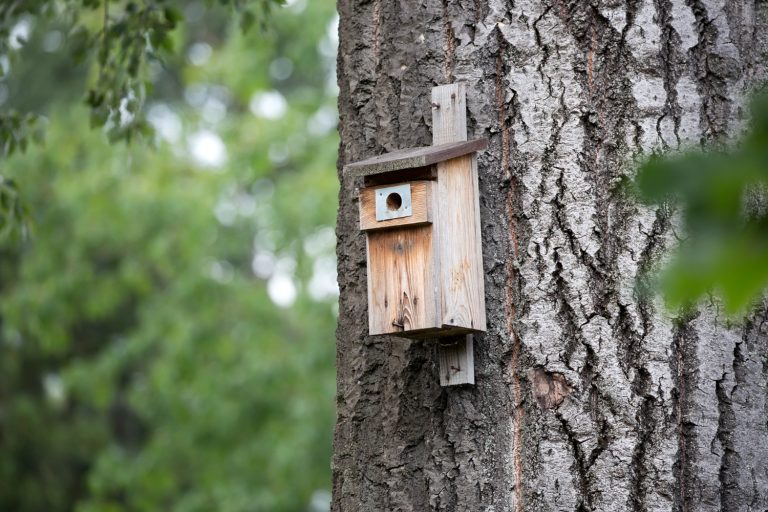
(419, 209)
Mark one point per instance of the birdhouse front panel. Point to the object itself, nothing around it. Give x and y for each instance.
(393, 205)
(401, 292)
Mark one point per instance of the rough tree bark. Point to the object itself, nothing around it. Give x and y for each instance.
(587, 397)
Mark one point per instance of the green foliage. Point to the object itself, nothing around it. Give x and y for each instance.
(121, 38)
(115, 43)
(724, 212)
(144, 362)
(12, 212)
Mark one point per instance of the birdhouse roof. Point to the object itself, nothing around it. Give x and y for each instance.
(413, 157)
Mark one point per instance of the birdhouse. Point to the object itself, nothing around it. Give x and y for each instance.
(419, 209)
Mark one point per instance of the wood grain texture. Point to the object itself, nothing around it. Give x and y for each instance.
(459, 246)
(449, 114)
(457, 360)
(449, 124)
(414, 157)
(422, 194)
(401, 286)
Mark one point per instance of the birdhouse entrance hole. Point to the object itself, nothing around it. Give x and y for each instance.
(394, 201)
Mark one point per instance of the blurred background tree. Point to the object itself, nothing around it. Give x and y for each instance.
(167, 308)
(721, 195)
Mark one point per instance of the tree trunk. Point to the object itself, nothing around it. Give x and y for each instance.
(588, 396)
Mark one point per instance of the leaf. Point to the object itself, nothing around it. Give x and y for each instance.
(173, 16)
(247, 19)
(98, 117)
(723, 196)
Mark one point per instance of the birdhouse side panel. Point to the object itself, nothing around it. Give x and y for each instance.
(402, 281)
(460, 245)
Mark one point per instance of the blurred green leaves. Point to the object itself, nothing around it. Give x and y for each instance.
(722, 195)
(118, 40)
(166, 334)
(115, 43)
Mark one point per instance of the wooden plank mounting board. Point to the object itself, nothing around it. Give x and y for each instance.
(457, 360)
(449, 124)
(449, 114)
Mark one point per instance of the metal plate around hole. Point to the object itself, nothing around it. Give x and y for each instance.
(384, 212)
